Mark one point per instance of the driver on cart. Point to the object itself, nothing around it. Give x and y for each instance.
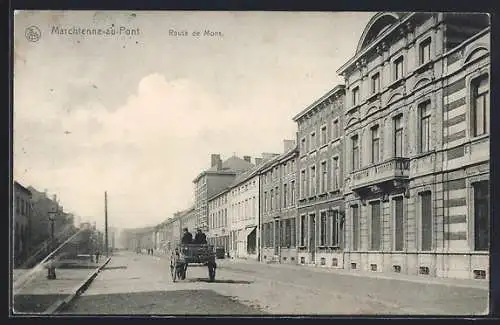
(200, 237)
(187, 237)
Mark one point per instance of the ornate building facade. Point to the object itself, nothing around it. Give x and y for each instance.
(417, 145)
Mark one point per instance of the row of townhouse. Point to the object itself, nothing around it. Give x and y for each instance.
(388, 173)
(31, 225)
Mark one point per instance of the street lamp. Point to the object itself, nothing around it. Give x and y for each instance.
(51, 275)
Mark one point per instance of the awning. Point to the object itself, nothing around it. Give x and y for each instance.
(243, 234)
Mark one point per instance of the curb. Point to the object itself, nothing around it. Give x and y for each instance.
(61, 303)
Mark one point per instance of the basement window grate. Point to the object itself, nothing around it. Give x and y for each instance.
(423, 270)
(373, 267)
(335, 262)
(265, 257)
(323, 261)
(396, 268)
(480, 274)
(353, 266)
(293, 259)
(284, 259)
(302, 260)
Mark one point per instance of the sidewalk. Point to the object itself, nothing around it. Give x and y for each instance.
(38, 293)
(468, 283)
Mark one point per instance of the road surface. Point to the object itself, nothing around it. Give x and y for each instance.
(141, 284)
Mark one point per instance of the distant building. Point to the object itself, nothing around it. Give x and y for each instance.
(22, 223)
(214, 180)
(218, 222)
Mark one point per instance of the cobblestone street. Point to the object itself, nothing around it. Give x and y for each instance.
(141, 284)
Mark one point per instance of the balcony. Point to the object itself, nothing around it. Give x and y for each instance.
(386, 172)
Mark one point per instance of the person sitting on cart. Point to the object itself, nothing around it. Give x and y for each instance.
(187, 237)
(200, 237)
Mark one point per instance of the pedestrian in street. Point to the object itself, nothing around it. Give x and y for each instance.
(97, 254)
(200, 237)
(187, 237)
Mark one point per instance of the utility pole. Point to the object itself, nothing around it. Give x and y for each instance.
(106, 222)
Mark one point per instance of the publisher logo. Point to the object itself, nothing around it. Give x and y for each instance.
(33, 34)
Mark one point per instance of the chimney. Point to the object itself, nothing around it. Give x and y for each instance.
(54, 198)
(247, 159)
(258, 161)
(215, 158)
(288, 145)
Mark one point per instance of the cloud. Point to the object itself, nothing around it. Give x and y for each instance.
(154, 143)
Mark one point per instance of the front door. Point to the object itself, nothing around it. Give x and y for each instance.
(312, 237)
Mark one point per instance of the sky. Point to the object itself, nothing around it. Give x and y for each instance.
(138, 113)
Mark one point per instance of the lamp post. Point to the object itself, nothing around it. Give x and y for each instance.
(51, 275)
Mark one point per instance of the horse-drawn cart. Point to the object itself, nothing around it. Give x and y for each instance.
(192, 254)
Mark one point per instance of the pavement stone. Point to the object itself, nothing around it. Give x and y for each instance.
(37, 293)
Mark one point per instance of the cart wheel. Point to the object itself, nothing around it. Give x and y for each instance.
(211, 272)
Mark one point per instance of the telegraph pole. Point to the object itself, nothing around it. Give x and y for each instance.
(106, 222)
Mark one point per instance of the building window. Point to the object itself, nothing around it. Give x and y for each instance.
(292, 192)
(293, 232)
(303, 148)
(313, 181)
(276, 199)
(375, 144)
(355, 152)
(375, 83)
(398, 224)
(355, 227)
(285, 194)
(324, 177)
(303, 183)
(335, 129)
(481, 105)
(265, 201)
(303, 230)
(426, 221)
(336, 173)
(322, 237)
(375, 226)
(481, 216)
(425, 126)
(313, 141)
(271, 203)
(335, 224)
(324, 135)
(425, 51)
(398, 68)
(398, 136)
(355, 96)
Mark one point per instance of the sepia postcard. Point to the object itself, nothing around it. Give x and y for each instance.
(250, 163)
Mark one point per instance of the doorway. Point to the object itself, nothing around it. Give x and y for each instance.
(312, 237)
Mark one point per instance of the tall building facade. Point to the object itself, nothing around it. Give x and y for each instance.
(244, 215)
(320, 138)
(278, 208)
(417, 145)
(22, 223)
(218, 220)
(212, 181)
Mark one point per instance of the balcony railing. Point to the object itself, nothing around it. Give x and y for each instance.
(392, 169)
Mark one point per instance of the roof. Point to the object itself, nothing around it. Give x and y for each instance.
(230, 166)
(379, 26)
(279, 159)
(20, 187)
(319, 101)
(224, 190)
